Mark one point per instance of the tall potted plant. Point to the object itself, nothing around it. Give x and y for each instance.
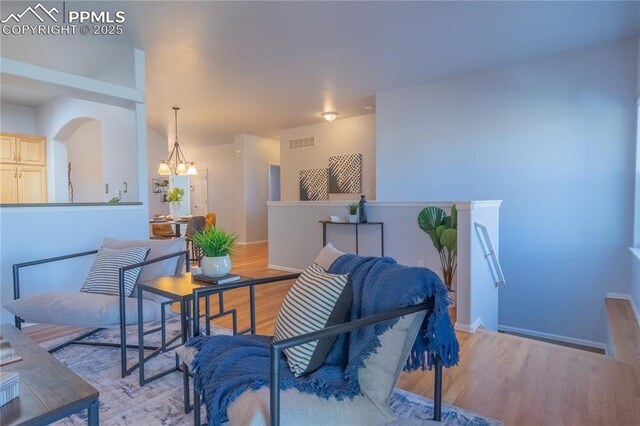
(217, 245)
(443, 231)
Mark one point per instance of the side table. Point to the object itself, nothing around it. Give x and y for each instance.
(180, 288)
(357, 225)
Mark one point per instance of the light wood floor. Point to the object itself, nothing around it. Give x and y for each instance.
(513, 379)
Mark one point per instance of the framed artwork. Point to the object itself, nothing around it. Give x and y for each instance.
(345, 174)
(155, 185)
(314, 184)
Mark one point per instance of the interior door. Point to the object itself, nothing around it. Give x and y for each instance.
(274, 182)
(31, 151)
(7, 149)
(32, 184)
(199, 193)
(8, 184)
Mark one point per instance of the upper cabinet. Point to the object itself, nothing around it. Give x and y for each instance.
(23, 171)
(31, 150)
(8, 153)
(23, 149)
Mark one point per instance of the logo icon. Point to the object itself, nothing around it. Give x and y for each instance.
(34, 11)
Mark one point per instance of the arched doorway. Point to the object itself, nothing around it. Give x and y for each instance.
(78, 163)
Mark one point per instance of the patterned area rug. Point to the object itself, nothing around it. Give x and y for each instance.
(124, 402)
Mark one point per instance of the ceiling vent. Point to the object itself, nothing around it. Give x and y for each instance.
(302, 142)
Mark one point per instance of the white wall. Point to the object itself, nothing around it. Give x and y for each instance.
(156, 151)
(555, 140)
(258, 154)
(219, 162)
(355, 135)
(635, 258)
(638, 67)
(17, 119)
(239, 200)
(119, 152)
(84, 152)
(252, 156)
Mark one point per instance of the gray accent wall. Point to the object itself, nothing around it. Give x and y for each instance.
(555, 139)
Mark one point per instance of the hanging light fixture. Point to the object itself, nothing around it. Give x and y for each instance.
(179, 166)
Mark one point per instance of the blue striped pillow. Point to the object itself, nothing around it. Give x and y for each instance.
(317, 300)
(104, 275)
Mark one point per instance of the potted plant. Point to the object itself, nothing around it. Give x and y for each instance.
(443, 231)
(217, 245)
(353, 212)
(174, 196)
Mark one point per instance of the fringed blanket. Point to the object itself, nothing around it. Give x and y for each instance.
(227, 366)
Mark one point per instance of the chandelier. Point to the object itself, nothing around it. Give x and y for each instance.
(178, 164)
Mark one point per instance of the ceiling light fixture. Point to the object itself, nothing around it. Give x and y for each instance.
(330, 115)
(180, 166)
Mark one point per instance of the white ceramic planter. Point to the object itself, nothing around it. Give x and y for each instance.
(354, 218)
(216, 266)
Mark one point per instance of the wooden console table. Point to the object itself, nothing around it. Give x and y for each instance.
(357, 225)
(49, 391)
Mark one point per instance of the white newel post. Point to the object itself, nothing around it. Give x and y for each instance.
(477, 294)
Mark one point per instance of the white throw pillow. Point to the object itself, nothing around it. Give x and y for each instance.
(327, 256)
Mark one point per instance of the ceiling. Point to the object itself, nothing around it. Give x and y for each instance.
(258, 67)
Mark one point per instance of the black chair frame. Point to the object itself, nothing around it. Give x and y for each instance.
(125, 370)
(196, 252)
(277, 347)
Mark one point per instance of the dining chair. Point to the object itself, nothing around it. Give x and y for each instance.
(162, 231)
(195, 224)
(210, 220)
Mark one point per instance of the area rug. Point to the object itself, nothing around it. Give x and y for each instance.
(124, 402)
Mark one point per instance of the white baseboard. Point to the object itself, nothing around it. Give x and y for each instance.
(249, 243)
(628, 298)
(559, 338)
(284, 268)
(469, 328)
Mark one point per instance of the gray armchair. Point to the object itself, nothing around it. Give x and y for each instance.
(377, 378)
(100, 311)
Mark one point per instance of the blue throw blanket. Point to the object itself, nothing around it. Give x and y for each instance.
(227, 366)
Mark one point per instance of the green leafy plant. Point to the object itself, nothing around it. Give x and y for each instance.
(353, 208)
(175, 195)
(443, 231)
(215, 242)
